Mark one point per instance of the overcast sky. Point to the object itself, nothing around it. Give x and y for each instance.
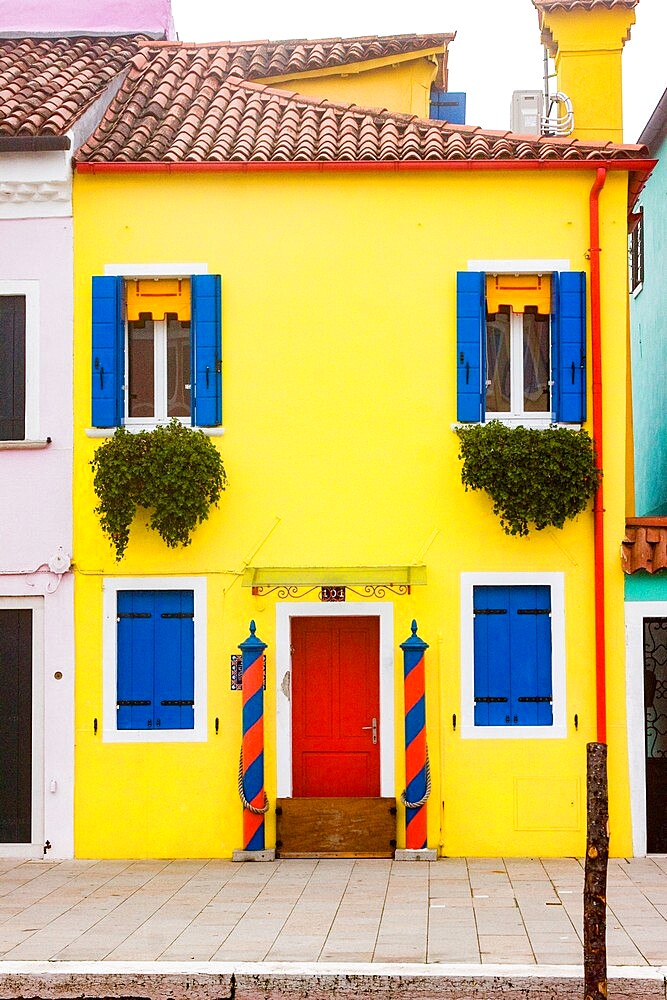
(497, 49)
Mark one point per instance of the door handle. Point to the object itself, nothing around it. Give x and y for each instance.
(374, 730)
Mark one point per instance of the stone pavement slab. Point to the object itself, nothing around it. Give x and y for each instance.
(474, 911)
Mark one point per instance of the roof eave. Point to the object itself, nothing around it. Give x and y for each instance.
(33, 143)
(348, 166)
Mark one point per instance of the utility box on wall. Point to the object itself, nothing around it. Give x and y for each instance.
(526, 112)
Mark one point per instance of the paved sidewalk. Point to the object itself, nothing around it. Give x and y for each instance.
(456, 910)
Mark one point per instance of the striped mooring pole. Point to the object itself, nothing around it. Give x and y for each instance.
(416, 779)
(253, 739)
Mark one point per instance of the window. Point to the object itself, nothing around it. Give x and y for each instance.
(521, 347)
(156, 350)
(155, 669)
(512, 655)
(12, 367)
(636, 251)
(154, 659)
(512, 658)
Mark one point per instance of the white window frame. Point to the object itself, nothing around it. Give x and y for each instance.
(558, 728)
(30, 291)
(35, 849)
(635, 613)
(311, 609)
(110, 731)
(538, 265)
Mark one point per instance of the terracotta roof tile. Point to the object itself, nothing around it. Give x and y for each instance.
(263, 59)
(645, 545)
(47, 83)
(154, 117)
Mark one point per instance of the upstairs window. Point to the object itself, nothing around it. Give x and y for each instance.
(12, 367)
(521, 347)
(636, 251)
(156, 351)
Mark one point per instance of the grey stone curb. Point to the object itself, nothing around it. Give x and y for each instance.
(314, 981)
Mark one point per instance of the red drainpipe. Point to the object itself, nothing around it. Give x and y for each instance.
(598, 506)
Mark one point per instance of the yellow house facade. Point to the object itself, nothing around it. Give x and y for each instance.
(338, 235)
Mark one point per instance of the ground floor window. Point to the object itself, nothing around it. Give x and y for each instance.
(155, 670)
(154, 659)
(513, 662)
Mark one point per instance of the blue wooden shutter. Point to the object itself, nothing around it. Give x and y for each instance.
(135, 655)
(155, 659)
(530, 668)
(108, 352)
(512, 656)
(470, 346)
(174, 660)
(568, 346)
(491, 656)
(206, 350)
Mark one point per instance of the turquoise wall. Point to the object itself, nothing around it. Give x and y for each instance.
(649, 351)
(646, 587)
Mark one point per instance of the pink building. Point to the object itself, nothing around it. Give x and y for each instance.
(97, 17)
(41, 126)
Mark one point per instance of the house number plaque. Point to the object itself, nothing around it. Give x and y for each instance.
(236, 661)
(332, 594)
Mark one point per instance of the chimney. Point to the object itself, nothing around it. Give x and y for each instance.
(586, 39)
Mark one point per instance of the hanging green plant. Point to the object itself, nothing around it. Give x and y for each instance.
(173, 471)
(534, 477)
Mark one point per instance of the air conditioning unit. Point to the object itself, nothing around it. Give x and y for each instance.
(526, 112)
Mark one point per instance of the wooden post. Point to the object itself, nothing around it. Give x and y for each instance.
(595, 880)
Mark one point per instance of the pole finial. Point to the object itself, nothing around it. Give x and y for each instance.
(413, 627)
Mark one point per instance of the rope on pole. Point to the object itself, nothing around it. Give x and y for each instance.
(246, 804)
(423, 800)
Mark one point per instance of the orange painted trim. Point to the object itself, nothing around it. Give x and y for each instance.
(598, 506)
(354, 166)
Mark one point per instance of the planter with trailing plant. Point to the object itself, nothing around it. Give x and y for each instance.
(174, 472)
(535, 478)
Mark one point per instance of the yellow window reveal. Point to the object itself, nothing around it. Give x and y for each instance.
(158, 296)
(518, 291)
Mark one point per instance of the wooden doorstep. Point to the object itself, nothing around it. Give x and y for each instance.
(336, 828)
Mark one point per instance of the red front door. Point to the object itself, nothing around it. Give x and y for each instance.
(335, 707)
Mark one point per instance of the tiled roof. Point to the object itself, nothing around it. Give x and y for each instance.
(549, 5)
(645, 545)
(263, 59)
(180, 106)
(47, 83)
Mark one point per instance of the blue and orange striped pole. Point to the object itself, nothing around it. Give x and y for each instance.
(416, 777)
(253, 740)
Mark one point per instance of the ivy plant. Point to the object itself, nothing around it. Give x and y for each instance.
(173, 471)
(534, 477)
